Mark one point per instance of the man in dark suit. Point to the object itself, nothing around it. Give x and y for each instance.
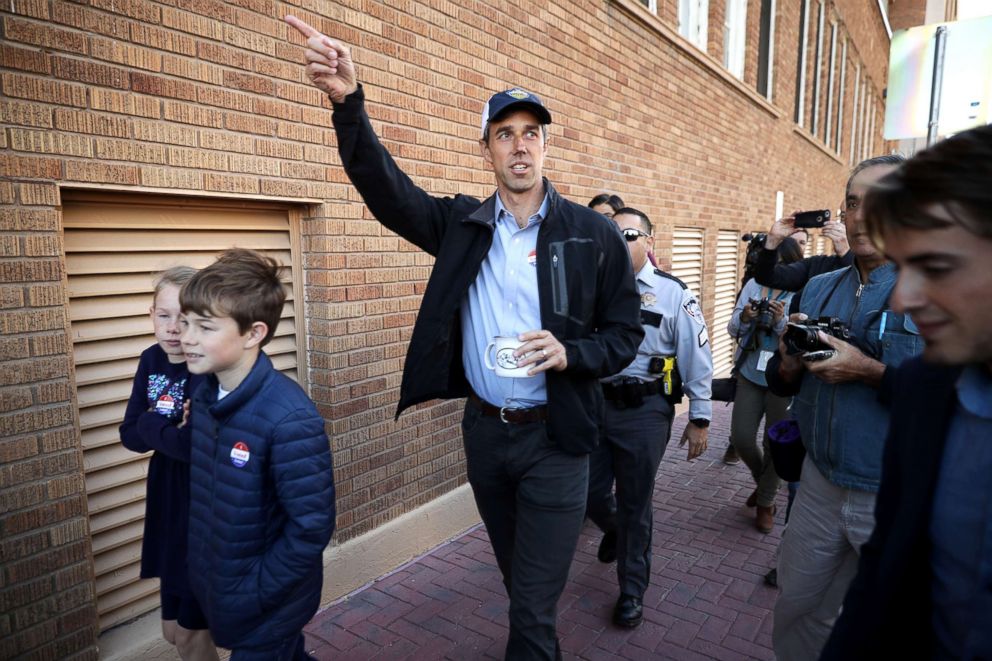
(924, 580)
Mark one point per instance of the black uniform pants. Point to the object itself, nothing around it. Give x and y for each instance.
(631, 444)
(532, 497)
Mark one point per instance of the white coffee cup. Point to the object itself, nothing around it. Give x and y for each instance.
(505, 364)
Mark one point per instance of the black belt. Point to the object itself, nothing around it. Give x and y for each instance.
(513, 416)
(619, 391)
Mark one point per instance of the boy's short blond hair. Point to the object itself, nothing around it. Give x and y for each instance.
(176, 276)
(242, 284)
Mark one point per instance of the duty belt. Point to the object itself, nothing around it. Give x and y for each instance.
(625, 390)
(510, 415)
(630, 394)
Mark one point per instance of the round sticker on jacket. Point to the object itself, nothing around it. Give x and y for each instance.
(165, 405)
(240, 454)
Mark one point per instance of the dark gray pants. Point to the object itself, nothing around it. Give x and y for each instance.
(532, 497)
(631, 445)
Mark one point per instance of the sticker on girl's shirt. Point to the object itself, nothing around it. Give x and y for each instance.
(240, 454)
(165, 405)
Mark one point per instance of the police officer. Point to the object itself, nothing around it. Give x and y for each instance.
(637, 417)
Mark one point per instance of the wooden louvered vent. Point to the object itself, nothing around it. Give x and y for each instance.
(115, 244)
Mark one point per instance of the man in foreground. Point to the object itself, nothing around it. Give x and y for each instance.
(925, 578)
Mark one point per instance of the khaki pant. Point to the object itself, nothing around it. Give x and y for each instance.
(817, 561)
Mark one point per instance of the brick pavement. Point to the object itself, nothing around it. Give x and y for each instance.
(707, 599)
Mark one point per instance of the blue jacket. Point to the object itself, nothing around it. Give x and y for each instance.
(261, 508)
(844, 425)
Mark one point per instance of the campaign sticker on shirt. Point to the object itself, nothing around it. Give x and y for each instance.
(240, 454)
(165, 405)
(532, 258)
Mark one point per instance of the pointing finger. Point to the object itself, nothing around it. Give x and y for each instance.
(301, 27)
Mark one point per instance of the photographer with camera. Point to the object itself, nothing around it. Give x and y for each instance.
(768, 271)
(637, 417)
(924, 582)
(757, 321)
(833, 364)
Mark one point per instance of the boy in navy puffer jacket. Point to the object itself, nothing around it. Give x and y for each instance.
(261, 482)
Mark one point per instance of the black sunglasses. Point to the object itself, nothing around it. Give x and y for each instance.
(632, 233)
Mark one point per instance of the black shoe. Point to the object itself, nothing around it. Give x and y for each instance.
(608, 547)
(628, 612)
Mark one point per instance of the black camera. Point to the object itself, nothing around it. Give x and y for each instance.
(755, 244)
(800, 337)
(766, 319)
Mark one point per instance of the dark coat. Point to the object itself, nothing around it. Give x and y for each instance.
(588, 296)
(887, 607)
(150, 426)
(794, 276)
(261, 508)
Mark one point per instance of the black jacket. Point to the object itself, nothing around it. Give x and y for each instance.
(793, 277)
(588, 296)
(887, 607)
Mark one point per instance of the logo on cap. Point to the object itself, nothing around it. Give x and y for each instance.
(518, 93)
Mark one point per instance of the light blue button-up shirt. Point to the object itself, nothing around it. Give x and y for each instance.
(504, 301)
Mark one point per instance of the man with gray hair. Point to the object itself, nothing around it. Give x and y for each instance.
(547, 281)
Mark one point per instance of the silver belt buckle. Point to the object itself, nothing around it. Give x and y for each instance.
(502, 416)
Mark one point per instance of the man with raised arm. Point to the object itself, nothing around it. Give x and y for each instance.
(535, 272)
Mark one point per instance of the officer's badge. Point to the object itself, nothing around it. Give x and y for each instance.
(648, 299)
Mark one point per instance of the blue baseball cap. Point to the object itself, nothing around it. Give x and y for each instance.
(501, 102)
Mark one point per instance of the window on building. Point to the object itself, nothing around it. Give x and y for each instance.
(652, 5)
(801, 65)
(872, 114)
(817, 70)
(839, 133)
(832, 61)
(863, 121)
(734, 34)
(766, 48)
(693, 21)
(855, 112)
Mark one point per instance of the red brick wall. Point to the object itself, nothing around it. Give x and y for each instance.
(207, 95)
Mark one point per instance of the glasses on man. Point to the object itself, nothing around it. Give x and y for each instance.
(633, 234)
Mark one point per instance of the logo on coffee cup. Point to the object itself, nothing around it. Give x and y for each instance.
(499, 357)
(506, 359)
